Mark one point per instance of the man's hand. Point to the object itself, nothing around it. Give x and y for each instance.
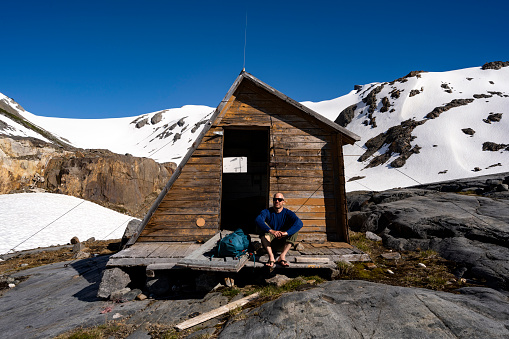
(278, 234)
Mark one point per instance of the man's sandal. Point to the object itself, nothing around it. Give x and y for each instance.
(270, 263)
(283, 263)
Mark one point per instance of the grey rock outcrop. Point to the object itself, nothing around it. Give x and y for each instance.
(472, 231)
(113, 280)
(346, 116)
(359, 309)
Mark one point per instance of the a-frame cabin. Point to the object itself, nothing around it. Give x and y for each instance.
(287, 148)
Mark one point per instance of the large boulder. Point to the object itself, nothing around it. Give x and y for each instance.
(360, 309)
(113, 280)
(472, 231)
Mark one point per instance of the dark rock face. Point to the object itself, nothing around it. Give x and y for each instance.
(454, 103)
(142, 123)
(385, 104)
(156, 118)
(493, 117)
(359, 309)
(346, 116)
(370, 99)
(495, 65)
(398, 138)
(414, 92)
(473, 231)
(468, 131)
(493, 147)
(416, 74)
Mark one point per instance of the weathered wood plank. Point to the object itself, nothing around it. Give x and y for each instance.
(217, 312)
(188, 203)
(296, 166)
(293, 193)
(216, 160)
(199, 182)
(313, 189)
(193, 209)
(201, 175)
(209, 218)
(294, 152)
(299, 173)
(317, 215)
(300, 159)
(196, 194)
(157, 223)
(207, 152)
(188, 237)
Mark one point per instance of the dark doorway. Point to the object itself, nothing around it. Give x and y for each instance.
(245, 177)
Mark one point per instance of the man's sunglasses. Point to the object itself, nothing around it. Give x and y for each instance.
(278, 199)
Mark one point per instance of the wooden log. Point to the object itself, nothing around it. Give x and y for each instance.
(217, 312)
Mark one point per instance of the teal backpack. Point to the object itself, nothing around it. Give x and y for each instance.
(233, 245)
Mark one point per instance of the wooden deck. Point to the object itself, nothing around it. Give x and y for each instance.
(156, 256)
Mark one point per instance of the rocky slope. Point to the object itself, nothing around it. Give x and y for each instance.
(465, 221)
(359, 309)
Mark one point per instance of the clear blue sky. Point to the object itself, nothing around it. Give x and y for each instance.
(94, 59)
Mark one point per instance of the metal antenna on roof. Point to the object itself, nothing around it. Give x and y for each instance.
(245, 43)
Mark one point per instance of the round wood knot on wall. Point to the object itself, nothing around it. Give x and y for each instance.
(200, 222)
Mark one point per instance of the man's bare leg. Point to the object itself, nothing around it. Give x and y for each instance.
(266, 244)
(282, 256)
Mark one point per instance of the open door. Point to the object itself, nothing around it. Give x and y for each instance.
(245, 177)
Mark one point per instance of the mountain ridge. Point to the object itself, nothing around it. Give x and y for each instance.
(420, 128)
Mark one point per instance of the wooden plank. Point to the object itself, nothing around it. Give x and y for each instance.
(157, 223)
(301, 146)
(217, 312)
(207, 152)
(313, 259)
(315, 132)
(130, 262)
(297, 166)
(315, 216)
(293, 193)
(316, 190)
(198, 167)
(198, 210)
(188, 196)
(170, 238)
(301, 159)
(143, 250)
(209, 218)
(216, 160)
(188, 203)
(296, 152)
(199, 175)
(165, 231)
(299, 139)
(208, 246)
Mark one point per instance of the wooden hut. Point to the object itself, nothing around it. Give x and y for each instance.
(287, 148)
(282, 146)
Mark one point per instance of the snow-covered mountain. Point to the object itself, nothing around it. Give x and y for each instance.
(425, 127)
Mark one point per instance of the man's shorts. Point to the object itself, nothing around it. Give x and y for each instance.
(292, 239)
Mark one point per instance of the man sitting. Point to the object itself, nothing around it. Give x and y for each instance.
(280, 226)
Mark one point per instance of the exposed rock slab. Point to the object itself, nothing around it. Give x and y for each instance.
(471, 230)
(359, 309)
